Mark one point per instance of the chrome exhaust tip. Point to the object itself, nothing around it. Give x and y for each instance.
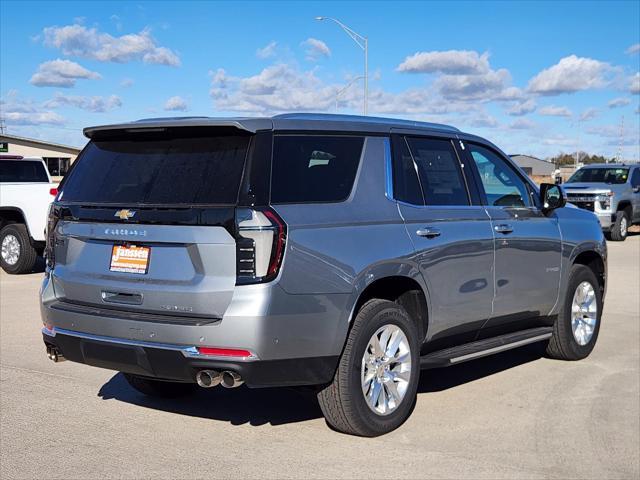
(231, 379)
(208, 378)
(54, 354)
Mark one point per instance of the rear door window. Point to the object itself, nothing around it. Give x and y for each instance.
(314, 168)
(203, 170)
(439, 171)
(23, 171)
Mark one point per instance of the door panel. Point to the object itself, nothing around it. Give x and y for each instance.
(528, 248)
(454, 251)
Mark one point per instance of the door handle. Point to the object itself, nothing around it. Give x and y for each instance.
(428, 232)
(503, 228)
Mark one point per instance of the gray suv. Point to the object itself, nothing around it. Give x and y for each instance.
(346, 253)
(612, 192)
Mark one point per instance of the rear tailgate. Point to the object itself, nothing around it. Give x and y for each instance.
(191, 270)
(146, 224)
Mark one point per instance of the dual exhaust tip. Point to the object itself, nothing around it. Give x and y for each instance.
(213, 378)
(54, 354)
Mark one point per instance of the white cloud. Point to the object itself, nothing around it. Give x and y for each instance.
(176, 104)
(92, 104)
(37, 118)
(16, 111)
(554, 111)
(484, 121)
(126, 82)
(452, 62)
(634, 86)
(571, 74)
(267, 51)
(633, 49)
(618, 102)
(522, 124)
(522, 108)
(283, 88)
(488, 86)
(588, 114)
(78, 40)
(315, 49)
(60, 73)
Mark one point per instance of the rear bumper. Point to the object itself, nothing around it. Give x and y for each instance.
(181, 363)
(294, 339)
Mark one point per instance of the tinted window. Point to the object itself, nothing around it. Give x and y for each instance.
(314, 168)
(502, 185)
(178, 170)
(439, 172)
(406, 186)
(600, 175)
(635, 178)
(22, 171)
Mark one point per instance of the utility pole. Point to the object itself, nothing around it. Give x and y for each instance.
(3, 128)
(621, 141)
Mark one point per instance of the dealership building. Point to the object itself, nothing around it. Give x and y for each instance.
(57, 157)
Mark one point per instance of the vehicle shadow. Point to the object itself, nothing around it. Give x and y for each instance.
(278, 406)
(238, 406)
(440, 379)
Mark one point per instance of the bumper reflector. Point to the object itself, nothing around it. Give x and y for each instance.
(224, 352)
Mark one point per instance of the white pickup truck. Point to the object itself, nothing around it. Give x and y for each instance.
(25, 194)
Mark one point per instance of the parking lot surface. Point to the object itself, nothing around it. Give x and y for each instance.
(514, 415)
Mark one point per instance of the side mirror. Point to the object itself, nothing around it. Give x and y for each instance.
(552, 197)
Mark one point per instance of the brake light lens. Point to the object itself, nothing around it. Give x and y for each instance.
(52, 222)
(224, 352)
(260, 245)
(53, 191)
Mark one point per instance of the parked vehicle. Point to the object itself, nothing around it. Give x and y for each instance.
(25, 194)
(612, 192)
(338, 251)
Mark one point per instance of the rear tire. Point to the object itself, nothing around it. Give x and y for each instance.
(159, 388)
(343, 401)
(619, 229)
(564, 343)
(17, 253)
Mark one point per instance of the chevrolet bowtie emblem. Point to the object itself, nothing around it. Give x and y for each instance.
(124, 214)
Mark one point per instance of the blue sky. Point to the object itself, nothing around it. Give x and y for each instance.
(534, 77)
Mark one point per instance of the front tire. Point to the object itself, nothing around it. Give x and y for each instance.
(619, 229)
(159, 388)
(576, 329)
(374, 388)
(17, 255)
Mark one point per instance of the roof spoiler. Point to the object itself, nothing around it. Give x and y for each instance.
(249, 125)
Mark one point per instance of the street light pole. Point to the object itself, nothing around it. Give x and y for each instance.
(363, 43)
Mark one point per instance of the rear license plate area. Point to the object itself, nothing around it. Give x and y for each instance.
(130, 259)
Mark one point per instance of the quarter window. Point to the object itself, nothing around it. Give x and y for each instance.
(502, 186)
(314, 168)
(439, 171)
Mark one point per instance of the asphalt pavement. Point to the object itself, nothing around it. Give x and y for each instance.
(514, 415)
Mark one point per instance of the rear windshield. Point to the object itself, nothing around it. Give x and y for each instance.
(314, 168)
(600, 175)
(22, 171)
(159, 171)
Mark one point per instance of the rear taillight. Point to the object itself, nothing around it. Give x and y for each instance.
(52, 222)
(53, 192)
(260, 245)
